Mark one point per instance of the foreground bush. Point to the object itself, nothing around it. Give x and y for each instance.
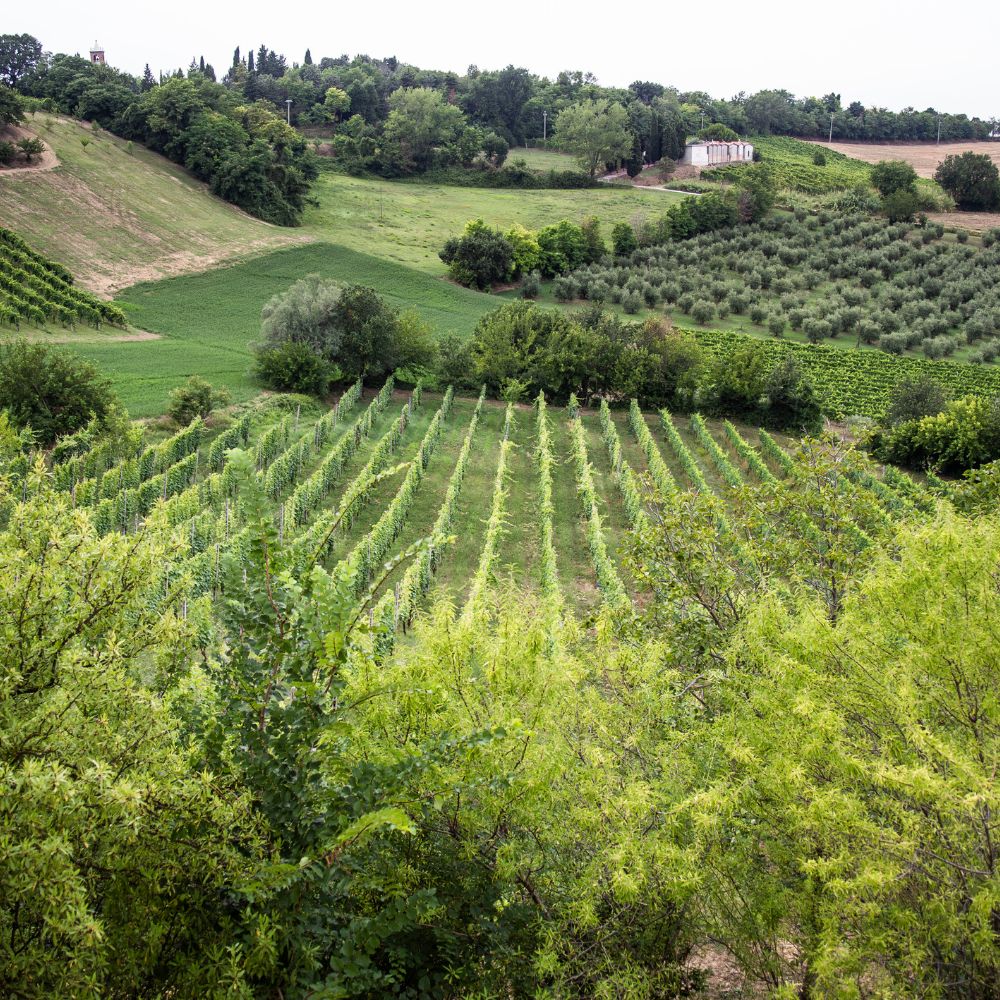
(120, 859)
(195, 398)
(962, 436)
(293, 367)
(52, 391)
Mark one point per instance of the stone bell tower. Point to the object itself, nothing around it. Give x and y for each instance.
(97, 54)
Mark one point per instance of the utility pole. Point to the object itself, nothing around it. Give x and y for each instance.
(831, 128)
(703, 121)
(545, 127)
(939, 131)
(288, 110)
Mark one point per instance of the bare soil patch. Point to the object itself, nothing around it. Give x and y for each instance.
(924, 157)
(181, 262)
(46, 161)
(86, 337)
(978, 222)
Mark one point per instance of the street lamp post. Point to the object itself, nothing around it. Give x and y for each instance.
(288, 110)
(545, 127)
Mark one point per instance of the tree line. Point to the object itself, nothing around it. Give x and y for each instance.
(395, 118)
(242, 148)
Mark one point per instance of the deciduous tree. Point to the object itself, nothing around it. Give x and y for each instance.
(594, 131)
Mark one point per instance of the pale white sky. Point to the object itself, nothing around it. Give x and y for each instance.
(884, 53)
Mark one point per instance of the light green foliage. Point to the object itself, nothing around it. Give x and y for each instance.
(613, 593)
(724, 467)
(366, 559)
(858, 758)
(682, 453)
(398, 607)
(625, 478)
(525, 252)
(661, 476)
(749, 455)
(196, 398)
(549, 571)
(117, 853)
(775, 452)
(421, 122)
(495, 780)
(335, 104)
(495, 526)
(965, 434)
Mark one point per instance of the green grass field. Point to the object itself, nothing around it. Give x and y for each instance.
(543, 159)
(118, 216)
(409, 223)
(115, 214)
(207, 322)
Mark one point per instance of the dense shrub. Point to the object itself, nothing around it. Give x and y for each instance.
(293, 366)
(623, 239)
(972, 179)
(565, 289)
(703, 311)
(54, 392)
(632, 302)
(965, 434)
(482, 256)
(532, 285)
(891, 176)
(900, 206)
(351, 328)
(195, 398)
(563, 247)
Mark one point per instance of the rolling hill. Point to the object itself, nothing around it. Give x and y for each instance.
(115, 213)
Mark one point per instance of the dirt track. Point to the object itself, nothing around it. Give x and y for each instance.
(46, 161)
(923, 156)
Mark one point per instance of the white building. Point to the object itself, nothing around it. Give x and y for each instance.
(715, 153)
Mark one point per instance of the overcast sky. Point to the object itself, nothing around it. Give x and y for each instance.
(882, 53)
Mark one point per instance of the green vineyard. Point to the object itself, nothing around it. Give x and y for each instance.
(543, 498)
(856, 381)
(36, 291)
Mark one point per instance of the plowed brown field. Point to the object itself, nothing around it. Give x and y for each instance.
(923, 156)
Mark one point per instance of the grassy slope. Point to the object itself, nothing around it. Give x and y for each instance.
(115, 217)
(409, 223)
(543, 159)
(208, 321)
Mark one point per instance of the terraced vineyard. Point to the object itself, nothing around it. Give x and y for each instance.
(540, 497)
(35, 290)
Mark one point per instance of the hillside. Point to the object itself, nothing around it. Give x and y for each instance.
(115, 213)
(409, 222)
(227, 301)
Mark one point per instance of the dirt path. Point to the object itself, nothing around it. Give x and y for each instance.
(46, 161)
